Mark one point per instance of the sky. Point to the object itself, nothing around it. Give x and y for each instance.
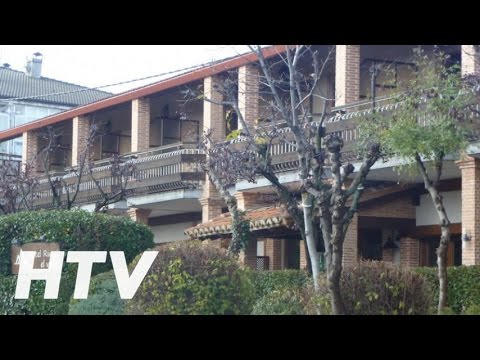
(98, 65)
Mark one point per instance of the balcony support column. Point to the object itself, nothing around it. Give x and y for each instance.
(140, 124)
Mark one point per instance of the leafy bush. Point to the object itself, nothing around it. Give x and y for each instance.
(266, 282)
(463, 286)
(36, 304)
(286, 301)
(73, 230)
(472, 310)
(378, 288)
(192, 278)
(292, 301)
(103, 299)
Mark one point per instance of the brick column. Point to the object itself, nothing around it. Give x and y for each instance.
(213, 118)
(80, 131)
(350, 244)
(246, 200)
(303, 256)
(30, 149)
(248, 257)
(139, 215)
(140, 124)
(470, 60)
(347, 74)
(273, 249)
(211, 207)
(470, 169)
(248, 86)
(409, 252)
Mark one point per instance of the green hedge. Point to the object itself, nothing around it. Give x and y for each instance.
(103, 298)
(191, 278)
(266, 282)
(74, 230)
(463, 286)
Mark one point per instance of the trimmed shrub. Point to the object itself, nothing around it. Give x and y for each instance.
(73, 230)
(378, 288)
(463, 286)
(104, 298)
(266, 282)
(292, 301)
(192, 278)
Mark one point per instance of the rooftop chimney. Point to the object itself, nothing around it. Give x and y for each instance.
(34, 66)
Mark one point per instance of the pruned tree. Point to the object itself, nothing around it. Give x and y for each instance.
(121, 172)
(329, 186)
(17, 187)
(430, 125)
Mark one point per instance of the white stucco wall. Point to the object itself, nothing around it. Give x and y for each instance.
(427, 215)
(170, 232)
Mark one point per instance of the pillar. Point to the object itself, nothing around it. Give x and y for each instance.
(248, 94)
(140, 125)
(470, 170)
(347, 74)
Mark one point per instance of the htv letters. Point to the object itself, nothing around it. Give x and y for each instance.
(127, 284)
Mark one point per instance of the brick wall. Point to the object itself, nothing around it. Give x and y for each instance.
(80, 131)
(470, 169)
(387, 255)
(211, 208)
(248, 257)
(30, 149)
(347, 74)
(140, 124)
(246, 200)
(470, 60)
(248, 85)
(396, 208)
(350, 244)
(273, 249)
(303, 255)
(409, 252)
(139, 215)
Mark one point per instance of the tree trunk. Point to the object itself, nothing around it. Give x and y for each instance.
(310, 239)
(335, 270)
(437, 199)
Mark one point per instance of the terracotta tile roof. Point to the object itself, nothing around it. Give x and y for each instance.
(276, 216)
(262, 218)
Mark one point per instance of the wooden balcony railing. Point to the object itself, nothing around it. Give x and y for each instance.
(345, 125)
(155, 171)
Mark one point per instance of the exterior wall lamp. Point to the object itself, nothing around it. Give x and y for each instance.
(466, 236)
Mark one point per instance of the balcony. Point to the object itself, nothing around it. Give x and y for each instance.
(344, 123)
(160, 169)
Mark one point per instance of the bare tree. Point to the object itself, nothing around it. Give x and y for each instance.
(17, 187)
(121, 172)
(327, 182)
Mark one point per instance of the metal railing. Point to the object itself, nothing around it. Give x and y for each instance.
(263, 263)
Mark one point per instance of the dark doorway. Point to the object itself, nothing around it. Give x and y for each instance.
(292, 254)
(370, 244)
